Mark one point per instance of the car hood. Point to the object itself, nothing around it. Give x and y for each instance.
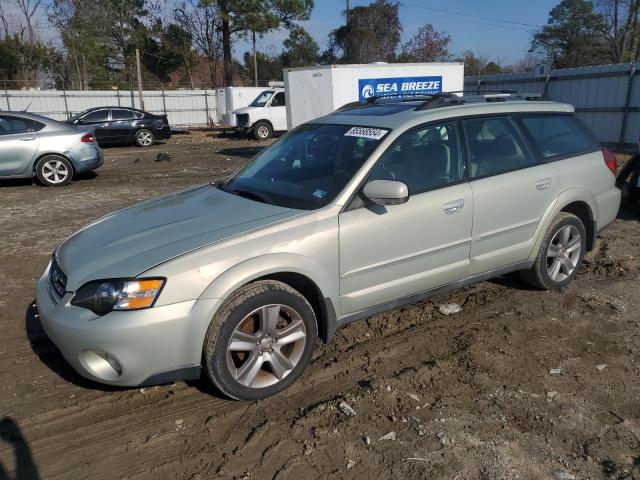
(246, 110)
(127, 242)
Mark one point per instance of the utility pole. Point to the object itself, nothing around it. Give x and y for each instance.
(346, 12)
(255, 60)
(139, 79)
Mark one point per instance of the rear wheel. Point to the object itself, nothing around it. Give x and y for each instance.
(261, 340)
(54, 171)
(262, 130)
(560, 254)
(143, 138)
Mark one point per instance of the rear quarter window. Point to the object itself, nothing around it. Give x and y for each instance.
(558, 135)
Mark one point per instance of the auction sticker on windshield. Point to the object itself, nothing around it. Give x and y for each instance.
(366, 132)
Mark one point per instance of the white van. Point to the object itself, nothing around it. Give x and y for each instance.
(265, 115)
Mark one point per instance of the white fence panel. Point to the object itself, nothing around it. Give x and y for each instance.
(182, 107)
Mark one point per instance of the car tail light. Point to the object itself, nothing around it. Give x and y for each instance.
(88, 138)
(610, 160)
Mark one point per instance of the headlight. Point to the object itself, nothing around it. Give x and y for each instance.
(103, 296)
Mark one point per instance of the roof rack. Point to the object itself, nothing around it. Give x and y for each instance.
(446, 99)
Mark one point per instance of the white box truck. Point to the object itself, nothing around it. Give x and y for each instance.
(230, 99)
(312, 92)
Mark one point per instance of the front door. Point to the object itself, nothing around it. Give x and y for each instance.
(278, 112)
(391, 252)
(511, 191)
(18, 144)
(99, 119)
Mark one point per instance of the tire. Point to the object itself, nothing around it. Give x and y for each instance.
(262, 130)
(143, 138)
(560, 254)
(54, 171)
(259, 364)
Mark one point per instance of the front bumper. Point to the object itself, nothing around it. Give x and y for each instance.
(132, 348)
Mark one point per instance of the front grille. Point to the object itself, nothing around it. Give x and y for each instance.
(242, 120)
(57, 279)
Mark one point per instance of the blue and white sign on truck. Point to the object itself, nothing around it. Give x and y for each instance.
(312, 92)
(379, 87)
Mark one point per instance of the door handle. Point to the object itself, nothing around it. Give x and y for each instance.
(453, 207)
(27, 139)
(543, 184)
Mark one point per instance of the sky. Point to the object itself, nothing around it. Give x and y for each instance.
(497, 29)
(503, 33)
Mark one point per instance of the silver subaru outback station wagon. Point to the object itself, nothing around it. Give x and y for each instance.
(354, 213)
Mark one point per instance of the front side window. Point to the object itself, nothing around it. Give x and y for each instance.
(278, 100)
(120, 114)
(262, 99)
(557, 135)
(307, 168)
(96, 116)
(12, 125)
(494, 146)
(424, 159)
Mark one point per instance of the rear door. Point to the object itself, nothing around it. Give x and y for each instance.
(278, 112)
(18, 144)
(120, 126)
(395, 251)
(512, 190)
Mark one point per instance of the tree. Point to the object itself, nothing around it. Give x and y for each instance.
(574, 35)
(426, 46)
(621, 28)
(238, 17)
(371, 34)
(478, 65)
(269, 66)
(300, 49)
(201, 20)
(165, 50)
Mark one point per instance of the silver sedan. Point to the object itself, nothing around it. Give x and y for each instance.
(35, 146)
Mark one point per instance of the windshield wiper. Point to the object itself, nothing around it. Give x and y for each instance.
(246, 194)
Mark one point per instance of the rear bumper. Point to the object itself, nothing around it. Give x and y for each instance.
(88, 158)
(608, 203)
(163, 133)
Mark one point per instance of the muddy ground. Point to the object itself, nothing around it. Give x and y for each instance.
(464, 396)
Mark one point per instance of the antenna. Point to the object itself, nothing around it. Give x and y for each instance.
(26, 109)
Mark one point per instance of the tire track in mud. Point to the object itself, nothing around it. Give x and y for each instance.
(388, 353)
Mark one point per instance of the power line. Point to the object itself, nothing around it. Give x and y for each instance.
(468, 15)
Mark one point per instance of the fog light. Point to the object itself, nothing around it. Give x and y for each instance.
(101, 364)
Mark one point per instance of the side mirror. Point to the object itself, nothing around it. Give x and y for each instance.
(386, 192)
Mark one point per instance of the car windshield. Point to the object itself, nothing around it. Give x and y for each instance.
(262, 99)
(307, 168)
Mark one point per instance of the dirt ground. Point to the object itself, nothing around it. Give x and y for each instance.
(474, 395)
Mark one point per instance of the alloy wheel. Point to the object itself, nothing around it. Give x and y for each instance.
(563, 253)
(266, 346)
(144, 137)
(54, 171)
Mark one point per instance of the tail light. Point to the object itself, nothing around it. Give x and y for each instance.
(88, 138)
(610, 160)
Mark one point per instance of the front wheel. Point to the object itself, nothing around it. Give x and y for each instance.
(143, 138)
(261, 340)
(54, 171)
(560, 254)
(262, 130)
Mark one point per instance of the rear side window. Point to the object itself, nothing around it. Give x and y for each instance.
(557, 135)
(495, 147)
(118, 114)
